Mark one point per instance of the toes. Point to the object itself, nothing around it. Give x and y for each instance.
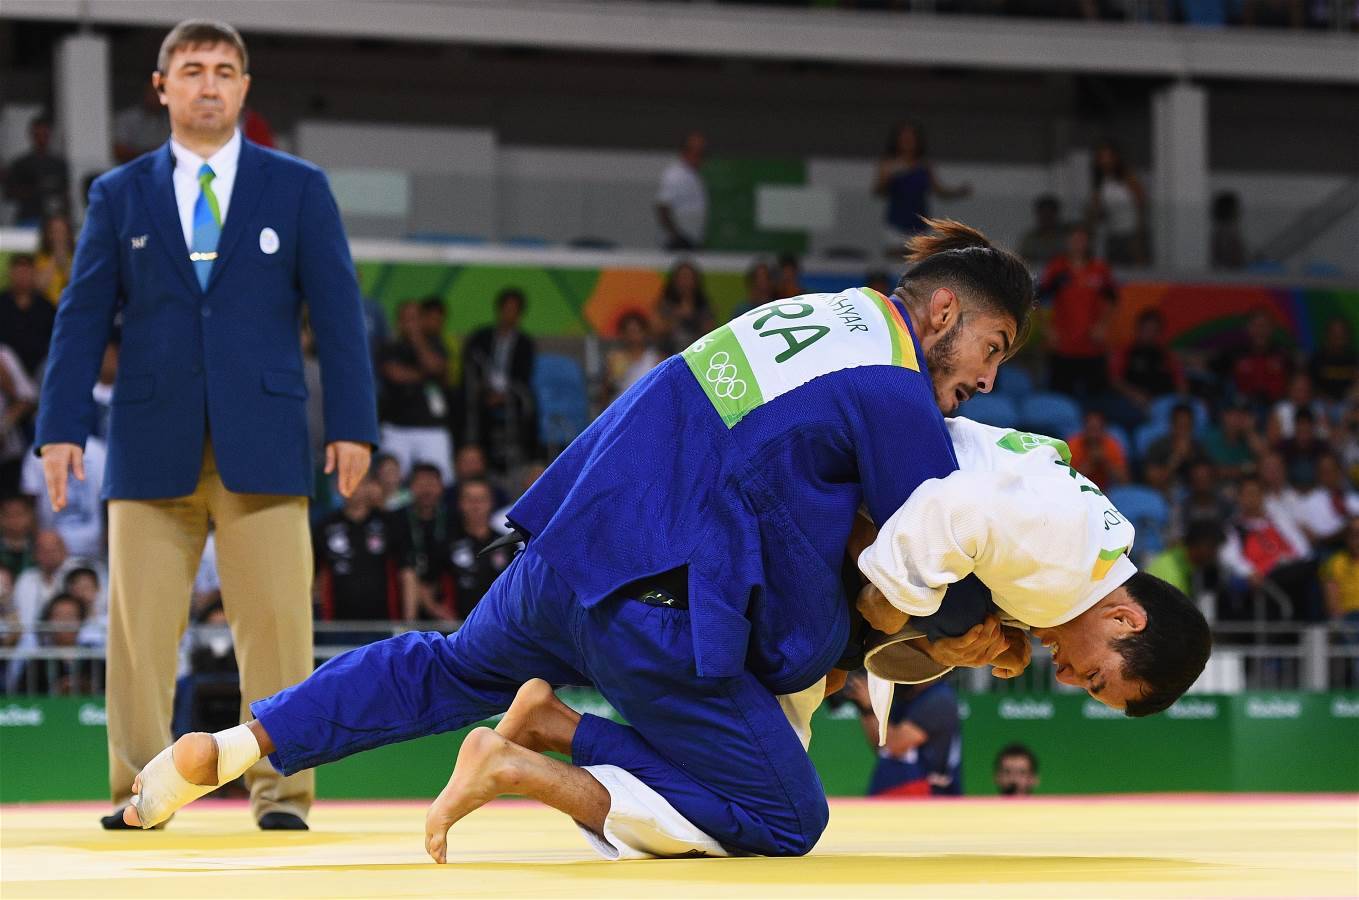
(436, 845)
(130, 816)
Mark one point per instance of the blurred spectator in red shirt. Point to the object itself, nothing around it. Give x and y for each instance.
(1096, 454)
(256, 128)
(1261, 370)
(1263, 545)
(1083, 294)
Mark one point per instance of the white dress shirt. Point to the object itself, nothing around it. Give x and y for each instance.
(683, 191)
(187, 164)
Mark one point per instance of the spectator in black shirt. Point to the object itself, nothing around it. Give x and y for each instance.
(356, 564)
(1147, 369)
(1178, 449)
(472, 572)
(498, 384)
(424, 537)
(38, 181)
(18, 529)
(26, 317)
(414, 374)
(1335, 367)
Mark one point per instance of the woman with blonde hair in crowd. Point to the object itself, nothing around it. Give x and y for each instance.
(56, 250)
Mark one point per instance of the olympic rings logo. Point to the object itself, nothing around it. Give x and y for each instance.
(721, 375)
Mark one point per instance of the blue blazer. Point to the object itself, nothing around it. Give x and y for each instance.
(224, 363)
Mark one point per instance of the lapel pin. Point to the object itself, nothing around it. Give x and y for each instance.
(269, 240)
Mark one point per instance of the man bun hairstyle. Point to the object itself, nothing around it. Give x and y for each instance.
(1169, 654)
(200, 33)
(961, 258)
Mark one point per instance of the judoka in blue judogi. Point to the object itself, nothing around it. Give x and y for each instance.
(683, 557)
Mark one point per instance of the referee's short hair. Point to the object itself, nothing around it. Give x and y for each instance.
(200, 33)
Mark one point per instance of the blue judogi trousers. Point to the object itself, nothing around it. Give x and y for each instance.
(720, 750)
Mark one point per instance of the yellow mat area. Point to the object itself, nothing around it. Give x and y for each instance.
(1091, 847)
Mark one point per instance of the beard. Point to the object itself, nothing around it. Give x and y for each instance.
(942, 359)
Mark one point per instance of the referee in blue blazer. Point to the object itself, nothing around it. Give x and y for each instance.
(208, 247)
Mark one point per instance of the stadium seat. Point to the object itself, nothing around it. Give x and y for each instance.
(1147, 435)
(1149, 514)
(1013, 381)
(563, 404)
(1051, 414)
(1212, 13)
(1161, 407)
(991, 409)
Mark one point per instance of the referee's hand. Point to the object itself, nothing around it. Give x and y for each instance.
(57, 460)
(350, 459)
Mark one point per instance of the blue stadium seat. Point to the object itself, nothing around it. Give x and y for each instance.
(1212, 13)
(1148, 434)
(1149, 514)
(991, 409)
(563, 404)
(1013, 381)
(1161, 407)
(1055, 415)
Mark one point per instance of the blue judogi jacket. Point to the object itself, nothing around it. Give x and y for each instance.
(756, 501)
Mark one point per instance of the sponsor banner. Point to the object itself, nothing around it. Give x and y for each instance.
(1281, 706)
(1193, 708)
(16, 716)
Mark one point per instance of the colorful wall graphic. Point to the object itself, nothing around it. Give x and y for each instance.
(576, 301)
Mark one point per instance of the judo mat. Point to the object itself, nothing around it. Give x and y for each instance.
(1164, 846)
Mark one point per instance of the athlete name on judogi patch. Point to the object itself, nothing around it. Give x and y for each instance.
(784, 344)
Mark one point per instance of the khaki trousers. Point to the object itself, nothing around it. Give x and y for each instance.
(264, 560)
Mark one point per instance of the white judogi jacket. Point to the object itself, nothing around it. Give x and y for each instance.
(1040, 535)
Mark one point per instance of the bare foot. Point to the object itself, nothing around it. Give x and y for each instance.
(488, 765)
(195, 758)
(537, 720)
